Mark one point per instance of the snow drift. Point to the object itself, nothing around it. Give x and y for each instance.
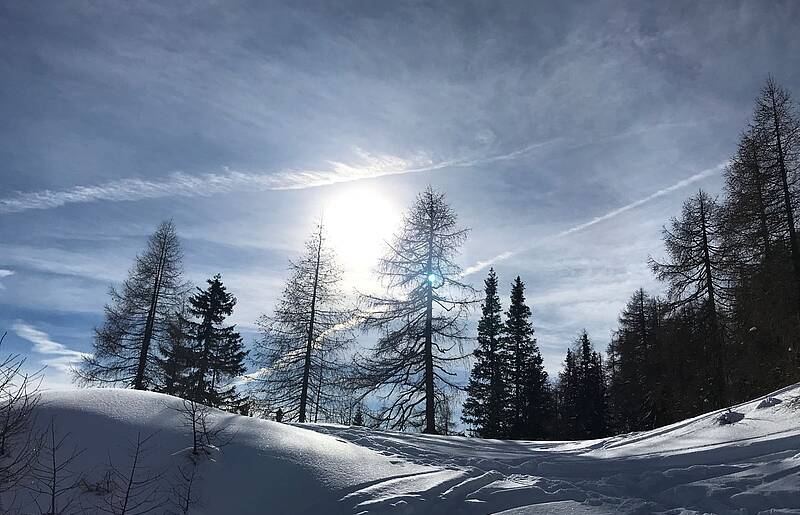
(699, 465)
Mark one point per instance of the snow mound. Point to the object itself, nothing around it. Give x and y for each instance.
(694, 466)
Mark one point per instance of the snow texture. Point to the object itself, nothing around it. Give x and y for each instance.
(695, 466)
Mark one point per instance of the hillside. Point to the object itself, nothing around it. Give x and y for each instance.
(697, 465)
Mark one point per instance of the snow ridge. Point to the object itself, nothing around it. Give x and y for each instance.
(694, 466)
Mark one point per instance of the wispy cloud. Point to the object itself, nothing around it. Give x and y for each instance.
(3, 274)
(480, 265)
(181, 184)
(54, 354)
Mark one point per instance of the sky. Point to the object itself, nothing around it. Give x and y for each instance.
(564, 134)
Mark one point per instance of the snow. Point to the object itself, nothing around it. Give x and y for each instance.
(695, 466)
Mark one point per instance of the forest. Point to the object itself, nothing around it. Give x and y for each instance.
(722, 332)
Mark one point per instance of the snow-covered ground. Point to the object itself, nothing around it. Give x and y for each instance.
(751, 466)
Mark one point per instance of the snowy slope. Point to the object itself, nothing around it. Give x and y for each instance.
(696, 465)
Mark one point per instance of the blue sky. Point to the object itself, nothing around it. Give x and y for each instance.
(563, 135)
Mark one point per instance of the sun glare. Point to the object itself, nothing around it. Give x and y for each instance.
(358, 221)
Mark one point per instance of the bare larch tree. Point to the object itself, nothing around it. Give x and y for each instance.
(776, 126)
(306, 334)
(421, 316)
(19, 442)
(696, 273)
(754, 215)
(137, 317)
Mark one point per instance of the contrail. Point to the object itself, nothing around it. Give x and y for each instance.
(187, 185)
(480, 265)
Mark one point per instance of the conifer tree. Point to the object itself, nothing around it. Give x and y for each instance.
(635, 365)
(302, 341)
(485, 408)
(218, 350)
(582, 392)
(730, 330)
(776, 126)
(761, 211)
(137, 318)
(567, 397)
(530, 398)
(591, 402)
(421, 317)
(178, 356)
(753, 208)
(696, 272)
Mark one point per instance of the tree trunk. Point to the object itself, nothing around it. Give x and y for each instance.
(430, 406)
(787, 200)
(319, 385)
(310, 340)
(762, 210)
(719, 368)
(138, 382)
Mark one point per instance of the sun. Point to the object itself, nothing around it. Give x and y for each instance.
(358, 221)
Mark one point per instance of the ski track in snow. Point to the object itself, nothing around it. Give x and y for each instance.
(693, 466)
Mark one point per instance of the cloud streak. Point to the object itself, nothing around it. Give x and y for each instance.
(480, 265)
(54, 354)
(181, 184)
(3, 274)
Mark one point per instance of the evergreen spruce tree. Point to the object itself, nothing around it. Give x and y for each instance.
(485, 408)
(637, 381)
(591, 402)
(177, 357)
(218, 353)
(582, 393)
(530, 397)
(567, 398)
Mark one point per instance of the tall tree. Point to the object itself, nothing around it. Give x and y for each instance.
(218, 351)
(581, 392)
(776, 124)
(567, 391)
(753, 213)
(485, 408)
(591, 402)
(733, 274)
(19, 442)
(696, 273)
(529, 402)
(137, 316)
(421, 316)
(637, 379)
(303, 340)
(177, 356)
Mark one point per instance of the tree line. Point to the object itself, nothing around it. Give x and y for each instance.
(160, 335)
(510, 396)
(727, 329)
(722, 333)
